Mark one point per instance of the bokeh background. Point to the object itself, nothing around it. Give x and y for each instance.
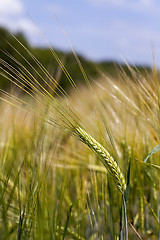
(51, 185)
(98, 29)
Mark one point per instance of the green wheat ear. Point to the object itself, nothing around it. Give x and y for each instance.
(105, 158)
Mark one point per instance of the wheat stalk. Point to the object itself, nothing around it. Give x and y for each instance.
(105, 158)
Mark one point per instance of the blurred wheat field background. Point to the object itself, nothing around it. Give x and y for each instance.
(52, 186)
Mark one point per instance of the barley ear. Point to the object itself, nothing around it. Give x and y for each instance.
(104, 157)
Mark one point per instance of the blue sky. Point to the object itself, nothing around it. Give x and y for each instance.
(98, 29)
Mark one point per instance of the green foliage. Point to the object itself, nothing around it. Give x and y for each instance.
(154, 150)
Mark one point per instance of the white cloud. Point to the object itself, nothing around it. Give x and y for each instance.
(10, 7)
(19, 24)
(14, 17)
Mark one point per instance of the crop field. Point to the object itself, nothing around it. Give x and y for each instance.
(74, 165)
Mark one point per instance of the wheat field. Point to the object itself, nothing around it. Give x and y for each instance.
(73, 165)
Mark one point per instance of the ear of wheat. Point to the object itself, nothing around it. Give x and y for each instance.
(104, 157)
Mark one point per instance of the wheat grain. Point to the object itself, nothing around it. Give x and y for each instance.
(105, 158)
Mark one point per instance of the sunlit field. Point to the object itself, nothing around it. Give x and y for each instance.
(55, 180)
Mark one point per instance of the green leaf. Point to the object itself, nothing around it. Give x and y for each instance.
(154, 166)
(154, 150)
(68, 216)
(150, 164)
(126, 193)
(151, 210)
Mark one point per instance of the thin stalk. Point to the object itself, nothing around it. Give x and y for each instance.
(125, 217)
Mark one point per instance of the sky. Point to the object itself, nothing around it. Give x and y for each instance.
(98, 29)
